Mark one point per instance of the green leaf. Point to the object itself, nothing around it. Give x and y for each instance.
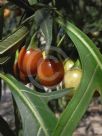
(4, 59)
(91, 60)
(34, 111)
(44, 20)
(51, 95)
(55, 94)
(9, 45)
(30, 125)
(32, 2)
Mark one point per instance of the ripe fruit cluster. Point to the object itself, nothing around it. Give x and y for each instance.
(49, 72)
(31, 62)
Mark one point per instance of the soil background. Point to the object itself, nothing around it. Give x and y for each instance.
(90, 125)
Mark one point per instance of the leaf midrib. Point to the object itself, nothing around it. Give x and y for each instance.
(2, 42)
(71, 29)
(28, 102)
(80, 100)
(47, 96)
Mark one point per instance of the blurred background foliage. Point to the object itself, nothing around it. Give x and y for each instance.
(86, 14)
(83, 13)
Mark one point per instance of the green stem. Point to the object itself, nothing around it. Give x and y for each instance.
(32, 40)
(61, 40)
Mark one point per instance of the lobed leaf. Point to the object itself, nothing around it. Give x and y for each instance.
(91, 60)
(34, 111)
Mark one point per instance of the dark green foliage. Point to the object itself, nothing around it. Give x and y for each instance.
(53, 19)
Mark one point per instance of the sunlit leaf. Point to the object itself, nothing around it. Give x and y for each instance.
(34, 110)
(91, 60)
(9, 45)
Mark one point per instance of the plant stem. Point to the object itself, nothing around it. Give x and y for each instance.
(32, 40)
(61, 40)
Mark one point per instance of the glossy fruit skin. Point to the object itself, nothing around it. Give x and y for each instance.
(18, 74)
(23, 77)
(20, 57)
(16, 70)
(50, 72)
(28, 60)
(72, 78)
